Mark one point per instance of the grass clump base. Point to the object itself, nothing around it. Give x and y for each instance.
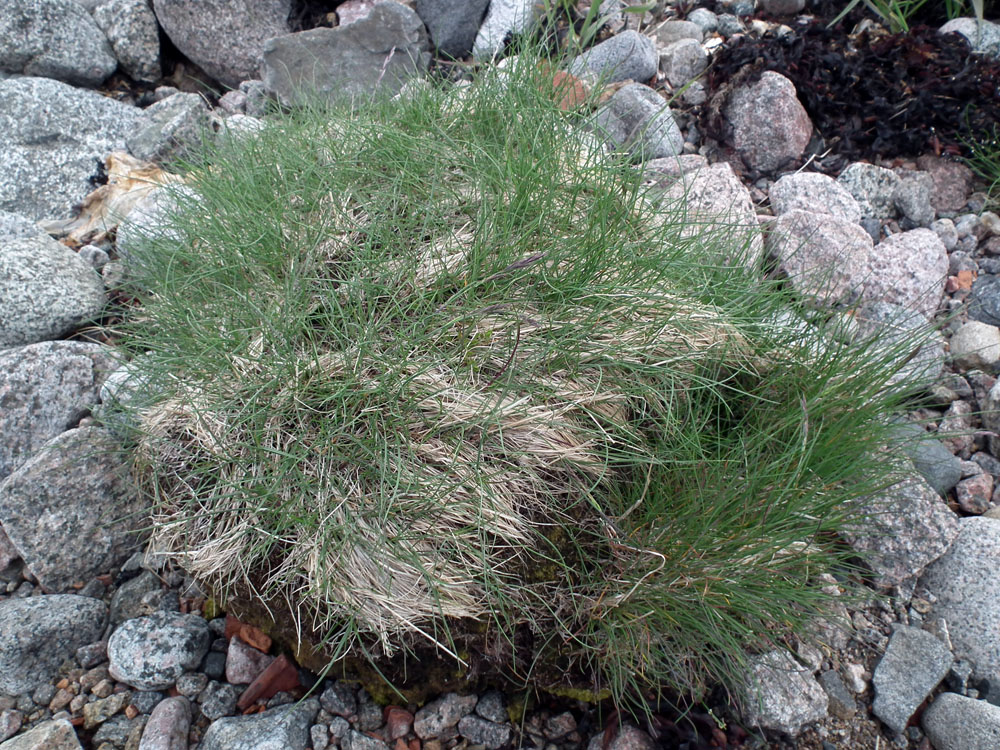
(437, 378)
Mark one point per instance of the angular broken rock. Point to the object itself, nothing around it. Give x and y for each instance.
(224, 37)
(968, 593)
(382, 51)
(46, 291)
(279, 727)
(912, 666)
(45, 389)
(781, 694)
(38, 633)
(902, 530)
(71, 510)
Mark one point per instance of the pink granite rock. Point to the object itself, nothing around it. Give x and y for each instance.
(770, 126)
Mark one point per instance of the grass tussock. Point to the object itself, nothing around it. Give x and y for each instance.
(440, 365)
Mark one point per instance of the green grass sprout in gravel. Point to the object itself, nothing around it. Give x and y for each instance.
(438, 375)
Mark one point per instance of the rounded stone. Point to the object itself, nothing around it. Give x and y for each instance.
(150, 653)
(46, 291)
(816, 192)
(770, 126)
(975, 346)
(954, 722)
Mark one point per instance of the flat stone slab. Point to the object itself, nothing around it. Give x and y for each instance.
(44, 390)
(46, 291)
(913, 664)
(71, 511)
(53, 139)
(967, 588)
(38, 633)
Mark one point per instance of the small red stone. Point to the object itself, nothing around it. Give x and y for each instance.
(280, 676)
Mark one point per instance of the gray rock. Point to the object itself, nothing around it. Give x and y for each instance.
(444, 713)
(8, 552)
(131, 28)
(452, 26)
(504, 19)
(872, 187)
(954, 722)
(946, 232)
(704, 19)
(224, 37)
(94, 256)
(968, 598)
(150, 653)
(637, 119)
(683, 61)
(770, 127)
(281, 728)
(912, 196)
(908, 269)
(983, 36)
(38, 633)
(903, 530)
(355, 740)
(15, 226)
(672, 31)
(101, 710)
(339, 699)
(44, 390)
(479, 731)
(319, 735)
(382, 51)
(825, 257)
(190, 684)
(57, 734)
(70, 509)
(115, 731)
(939, 467)
(816, 192)
(714, 198)
(628, 737)
(54, 39)
(984, 301)
(841, 702)
(218, 699)
(10, 723)
(127, 601)
(913, 665)
(893, 325)
(170, 128)
(167, 728)
(53, 138)
(783, 7)
(46, 291)
(625, 56)
(781, 695)
(975, 346)
(492, 706)
(989, 403)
